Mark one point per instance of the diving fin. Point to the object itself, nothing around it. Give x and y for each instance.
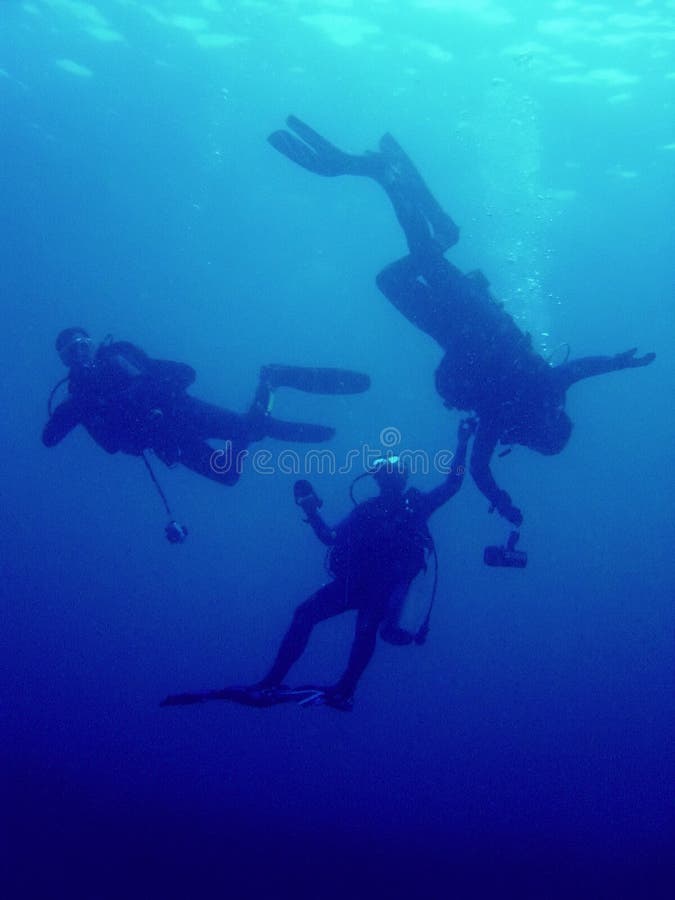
(300, 432)
(315, 380)
(245, 695)
(314, 153)
(309, 149)
(252, 695)
(300, 153)
(313, 695)
(403, 171)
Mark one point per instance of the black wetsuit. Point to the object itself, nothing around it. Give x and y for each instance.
(378, 548)
(129, 403)
(489, 366)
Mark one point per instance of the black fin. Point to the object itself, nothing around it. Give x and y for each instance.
(258, 697)
(299, 153)
(317, 142)
(314, 153)
(403, 169)
(300, 432)
(315, 380)
(249, 696)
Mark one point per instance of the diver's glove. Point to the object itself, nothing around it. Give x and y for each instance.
(306, 498)
(506, 509)
(628, 359)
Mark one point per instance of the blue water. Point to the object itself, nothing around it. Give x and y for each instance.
(527, 748)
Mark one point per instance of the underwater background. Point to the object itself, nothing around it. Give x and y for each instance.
(526, 749)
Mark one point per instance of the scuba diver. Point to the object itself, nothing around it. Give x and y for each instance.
(490, 367)
(131, 403)
(375, 553)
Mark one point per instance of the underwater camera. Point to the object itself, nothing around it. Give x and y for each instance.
(305, 497)
(175, 532)
(506, 556)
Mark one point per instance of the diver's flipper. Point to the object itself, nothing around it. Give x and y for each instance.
(245, 695)
(314, 380)
(310, 150)
(317, 142)
(403, 172)
(313, 695)
(252, 696)
(301, 154)
(314, 153)
(300, 432)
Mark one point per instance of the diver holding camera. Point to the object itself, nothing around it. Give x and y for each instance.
(374, 555)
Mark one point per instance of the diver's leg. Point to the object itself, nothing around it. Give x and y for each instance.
(223, 466)
(400, 283)
(413, 222)
(390, 629)
(328, 601)
(363, 647)
(207, 420)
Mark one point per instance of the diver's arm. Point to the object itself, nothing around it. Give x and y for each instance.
(481, 454)
(62, 421)
(322, 530)
(176, 376)
(308, 501)
(435, 498)
(590, 366)
(130, 358)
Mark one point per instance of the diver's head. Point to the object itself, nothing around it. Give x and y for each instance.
(74, 346)
(390, 474)
(550, 435)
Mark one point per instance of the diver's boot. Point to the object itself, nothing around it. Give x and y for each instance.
(402, 173)
(259, 412)
(262, 694)
(309, 149)
(313, 379)
(339, 698)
